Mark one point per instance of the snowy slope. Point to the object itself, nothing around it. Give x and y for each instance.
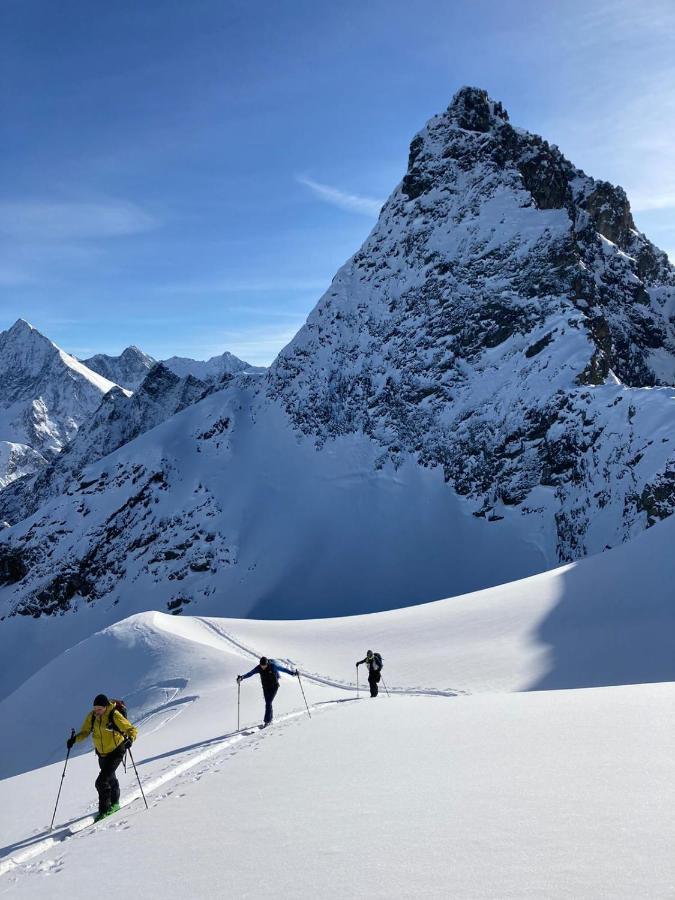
(45, 394)
(429, 792)
(17, 460)
(621, 600)
(128, 369)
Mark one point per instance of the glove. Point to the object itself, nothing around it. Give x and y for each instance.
(70, 743)
(297, 673)
(127, 743)
(239, 679)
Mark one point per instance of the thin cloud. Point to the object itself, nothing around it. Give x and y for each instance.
(366, 206)
(72, 221)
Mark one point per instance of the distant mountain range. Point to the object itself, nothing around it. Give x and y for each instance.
(132, 365)
(46, 394)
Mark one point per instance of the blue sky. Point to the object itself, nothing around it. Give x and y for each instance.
(188, 176)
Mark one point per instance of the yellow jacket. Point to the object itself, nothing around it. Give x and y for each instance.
(105, 738)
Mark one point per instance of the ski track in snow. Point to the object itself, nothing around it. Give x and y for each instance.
(321, 679)
(168, 710)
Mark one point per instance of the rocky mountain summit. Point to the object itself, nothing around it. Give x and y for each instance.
(132, 365)
(214, 369)
(128, 369)
(492, 324)
(484, 391)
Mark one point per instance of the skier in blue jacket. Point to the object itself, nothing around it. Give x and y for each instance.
(268, 669)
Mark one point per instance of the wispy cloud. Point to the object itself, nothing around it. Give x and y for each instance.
(367, 206)
(72, 221)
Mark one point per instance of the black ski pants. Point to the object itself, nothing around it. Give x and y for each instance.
(373, 678)
(270, 693)
(107, 785)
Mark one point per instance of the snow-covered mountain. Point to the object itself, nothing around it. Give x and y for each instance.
(212, 369)
(45, 395)
(18, 460)
(493, 325)
(480, 394)
(119, 419)
(128, 369)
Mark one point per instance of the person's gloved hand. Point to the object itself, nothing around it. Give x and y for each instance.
(239, 679)
(297, 673)
(70, 743)
(127, 743)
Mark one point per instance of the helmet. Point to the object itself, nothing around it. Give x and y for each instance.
(369, 653)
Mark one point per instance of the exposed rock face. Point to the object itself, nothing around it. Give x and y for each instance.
(45, 395)
(118, 420)
(17, 461)
(128, 369)
(498, 286)
(212, 370)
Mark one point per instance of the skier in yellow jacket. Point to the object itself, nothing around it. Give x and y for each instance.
(112, 735)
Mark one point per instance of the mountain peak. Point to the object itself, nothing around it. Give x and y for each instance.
(472, 109)
(22, 328)
(21, 325)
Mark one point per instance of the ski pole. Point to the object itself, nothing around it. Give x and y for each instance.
(238, 701)
(63, 775)
(303, 695)
(357, 682)
(385, 686)
(133, 763)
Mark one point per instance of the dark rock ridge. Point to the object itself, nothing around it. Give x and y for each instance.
(128, 369)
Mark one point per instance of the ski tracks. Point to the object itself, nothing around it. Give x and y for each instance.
(198, 764)
(322, 679)
(22, 858)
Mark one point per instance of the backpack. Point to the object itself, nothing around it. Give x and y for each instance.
(119, 706)
(377, 662)
(272, 672)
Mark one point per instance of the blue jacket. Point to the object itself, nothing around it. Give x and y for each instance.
(269, 676)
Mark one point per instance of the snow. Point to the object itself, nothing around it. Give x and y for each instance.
(557, 793)
(451, 785)
(17, 460)
(210, 369)
(94, 378)
(45, 395)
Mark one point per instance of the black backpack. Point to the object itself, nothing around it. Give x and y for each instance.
(377, 662)
(119, 706)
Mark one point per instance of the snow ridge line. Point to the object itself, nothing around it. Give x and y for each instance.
(12, 862)
(321, 679)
